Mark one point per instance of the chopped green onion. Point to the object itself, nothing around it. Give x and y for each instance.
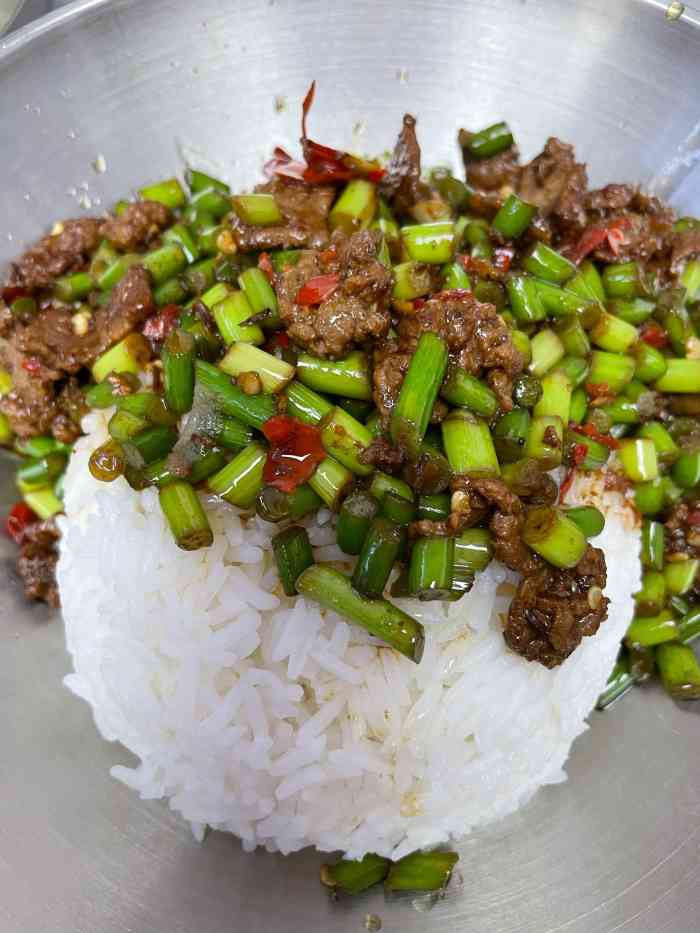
(349, 377)
(43, 502)
(689, 626)
(556, 396)
(680, 576)
(293, 554)
(619, 682)
(468, 443)
(652, 551)
(554, 536)
(185, 516)
(611, 369)
(345, 439)
(164, 262)
(431, 243)
(130, 355)
(547, 351)
(273, 505)
(651, 598)
(178, 357)
(638, 459)
(355, 207)
(231, 316)
(651, 364)
(355, 516)
(355, 876)
(243, 358)
(305, 404)
(490, 141)
(648, 631)
(421, 871)
(260, 294)
(682, 375)
(259, 210)
(242, 479)
(332, 590)
(545, 440)
(623, 280)
(649, 497)
(466, 391)
(168, 192)
(252, 410)
(412, 280)
(510, 434)
(679, 670)
(380, 549)
(419, 390)
(382, 483)
(430, 569)
(525, 299)
(182, 237)
(514, 217)
(330, 481)
(589, 519)
(434, 508)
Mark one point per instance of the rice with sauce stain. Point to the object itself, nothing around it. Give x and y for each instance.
(271, 719)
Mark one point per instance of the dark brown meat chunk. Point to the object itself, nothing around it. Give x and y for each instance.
(71, 406)
(685, 245)
(36, 564)
(683, 531)
(508, 544)
(305, 210)
(136, 225)
(55, 348)
(56, 254)
(498, 173)
(402, 184)
(610, 198)
(382, 454)
(476, 336)
(554, 609)
(356, 311)
(130, 303)
(556, 184)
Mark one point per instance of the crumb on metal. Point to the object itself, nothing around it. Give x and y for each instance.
(100, 164)
(402, 75)
(372, 923)
(280, 103)
(674, 11)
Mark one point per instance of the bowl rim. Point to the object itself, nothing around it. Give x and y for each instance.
(17, 41)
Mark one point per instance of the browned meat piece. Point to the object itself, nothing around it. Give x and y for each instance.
(356, 311)
(136, 225)
(383, 455)
(305, 210)
(402, 184)
(685, 245)
(554, 609)
(36, 564)
(556, 183)
(130, 303)
(50, 347)
(71, 407)
(476, 337)
(509, 546)
(683, 531)
(65, 251)
(498, 173)
(30, 406)
(610, 198)
(52, 338)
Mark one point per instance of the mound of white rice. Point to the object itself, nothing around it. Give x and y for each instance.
(271, 719)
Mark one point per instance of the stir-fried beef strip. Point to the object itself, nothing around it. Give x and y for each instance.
(357, 308)
(137, 225)
(554, 609)
(66, 249)
(36, 564)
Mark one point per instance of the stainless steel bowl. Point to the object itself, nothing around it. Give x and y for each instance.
(147, 85)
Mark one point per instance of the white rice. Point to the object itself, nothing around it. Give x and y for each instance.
(278, 722)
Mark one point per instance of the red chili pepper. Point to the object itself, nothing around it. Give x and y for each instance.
(283, 164)
(32, 365)
(265, 265)
(278, 340)
(11, 293)
(295, 452)
(594, 237)
(654, 335)
(591, 431)
(577, 455)
(694, 517)
(158, 326)
(317, 289)
(19, 516)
